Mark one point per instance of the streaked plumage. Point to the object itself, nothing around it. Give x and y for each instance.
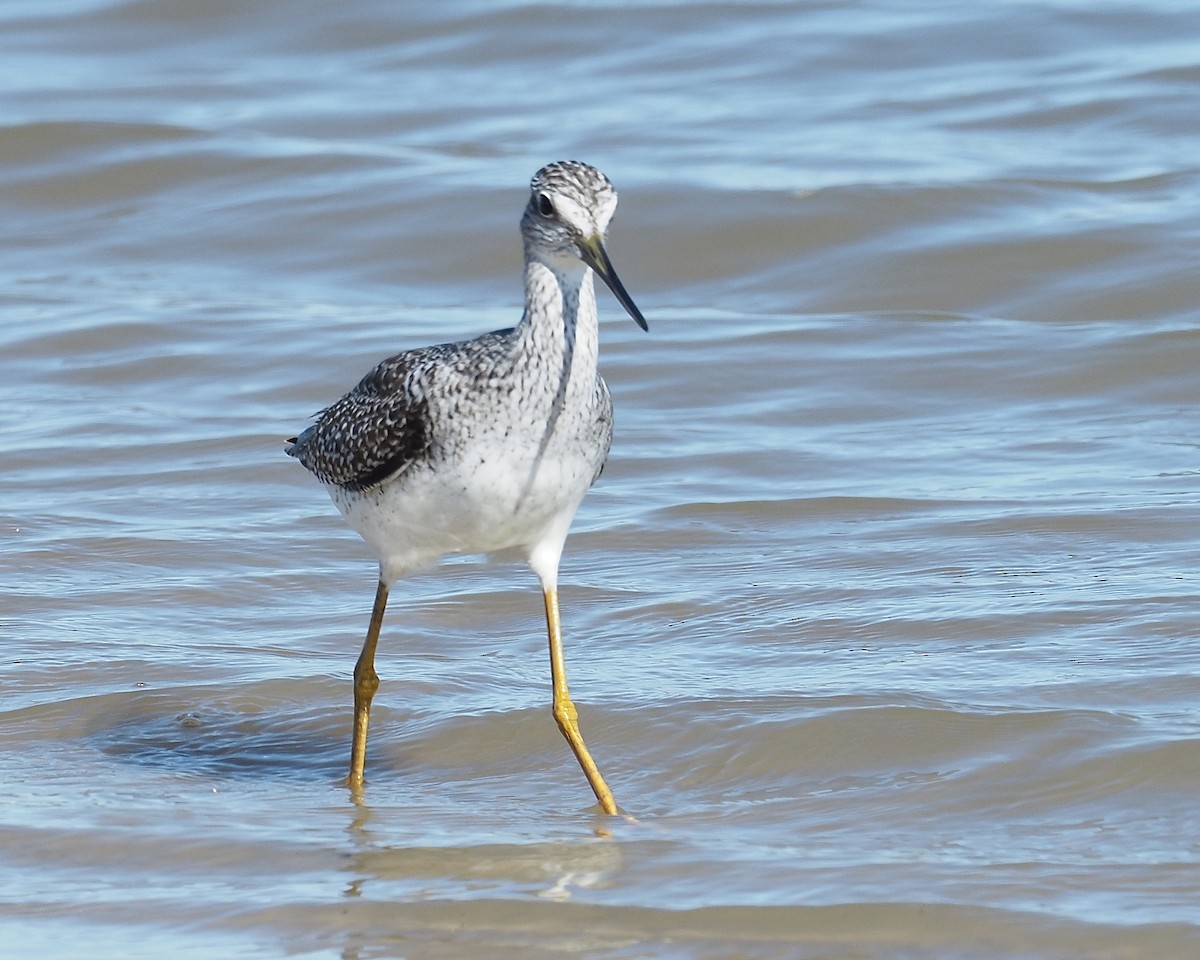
(488, 444)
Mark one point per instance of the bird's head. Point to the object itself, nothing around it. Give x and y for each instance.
(570, 206)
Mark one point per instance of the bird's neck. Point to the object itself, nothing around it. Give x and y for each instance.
(560, 313)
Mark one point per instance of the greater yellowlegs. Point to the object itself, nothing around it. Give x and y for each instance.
(488, 444)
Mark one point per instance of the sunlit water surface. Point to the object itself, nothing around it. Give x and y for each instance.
(882, 620)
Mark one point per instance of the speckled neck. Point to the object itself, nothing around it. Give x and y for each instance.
(560, 317)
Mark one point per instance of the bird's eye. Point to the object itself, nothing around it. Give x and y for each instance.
(544, 205)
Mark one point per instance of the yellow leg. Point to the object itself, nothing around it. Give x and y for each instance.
(565, 714)
(366, 682)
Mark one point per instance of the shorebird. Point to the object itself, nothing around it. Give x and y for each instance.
(485, 445)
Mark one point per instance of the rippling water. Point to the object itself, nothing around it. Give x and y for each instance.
(883, 620)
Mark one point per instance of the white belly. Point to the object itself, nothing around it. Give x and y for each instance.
(425, 514)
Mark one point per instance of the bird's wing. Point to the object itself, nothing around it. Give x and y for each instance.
(375, 431)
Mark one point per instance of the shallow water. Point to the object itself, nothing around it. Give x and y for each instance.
(881, 622)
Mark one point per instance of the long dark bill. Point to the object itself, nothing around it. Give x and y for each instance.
(592, 252)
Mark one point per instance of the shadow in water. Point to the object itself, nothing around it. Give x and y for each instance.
(199, 731)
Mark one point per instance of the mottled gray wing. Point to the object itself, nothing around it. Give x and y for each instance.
(375, 431)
